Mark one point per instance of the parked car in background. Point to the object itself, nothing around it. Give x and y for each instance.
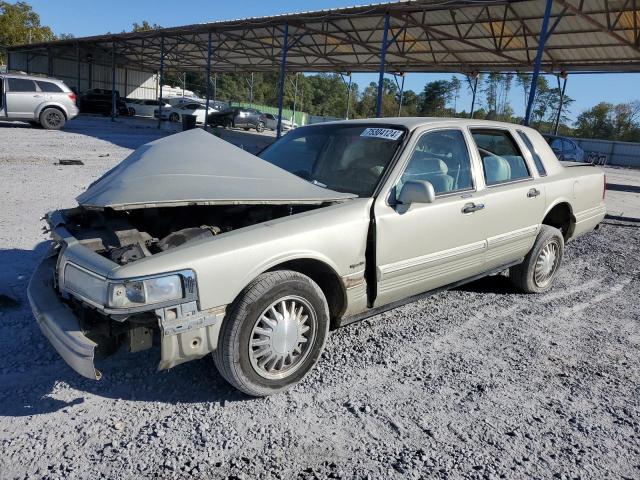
(271, 122)
(43, 101)
(565, 149)
(143, 108)
(175, 113)
(239, 117)
(98, 100)
(211, 249)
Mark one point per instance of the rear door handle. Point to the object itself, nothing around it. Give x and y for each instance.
(472, 207)
(534, 192)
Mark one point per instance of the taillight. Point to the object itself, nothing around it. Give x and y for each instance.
(72, 96)
(604, 186)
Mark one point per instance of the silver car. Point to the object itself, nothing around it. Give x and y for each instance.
(44, 101)
(255, 258)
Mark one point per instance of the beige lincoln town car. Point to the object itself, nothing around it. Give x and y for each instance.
(203, 248)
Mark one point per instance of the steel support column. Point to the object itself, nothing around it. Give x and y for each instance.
(401, 88)
(562, 90)
(160, 80)
(113, 81)
(543, 37)
(383, 54)
(283, 67)
(206, 104)
(348, 85)
(78, 67)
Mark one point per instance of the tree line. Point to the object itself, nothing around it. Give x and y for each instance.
(326, 94)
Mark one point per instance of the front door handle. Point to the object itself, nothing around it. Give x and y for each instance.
(534, 192)
(37, 96)
(472, 207)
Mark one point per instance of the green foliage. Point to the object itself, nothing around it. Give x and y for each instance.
(19, 24)
(610, 122)
(144, 26)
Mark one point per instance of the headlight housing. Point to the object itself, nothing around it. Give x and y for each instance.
(135, 293)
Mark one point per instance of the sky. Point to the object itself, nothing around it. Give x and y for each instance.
(90, 17)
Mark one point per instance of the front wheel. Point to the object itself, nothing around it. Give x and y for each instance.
(174, 117)
(539, 269)
(52, 119)
(273, 334)
(260, 127)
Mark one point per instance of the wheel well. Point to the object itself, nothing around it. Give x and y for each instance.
(561, 217)
(327, 279)
(56, 107)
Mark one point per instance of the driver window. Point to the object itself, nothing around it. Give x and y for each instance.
(441, 158)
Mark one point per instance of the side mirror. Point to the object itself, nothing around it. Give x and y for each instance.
(417, 191)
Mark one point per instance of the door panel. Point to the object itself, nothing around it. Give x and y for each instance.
(427, 246)
(22, 98)
(420, 247)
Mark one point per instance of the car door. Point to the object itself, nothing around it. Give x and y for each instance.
(513, 198)
(420, 247)
(22, 98)
(3, 104)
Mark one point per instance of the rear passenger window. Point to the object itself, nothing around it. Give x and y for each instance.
(21, 85)
(441, 158)
(501, 159)
(48, 86)
(536, 158)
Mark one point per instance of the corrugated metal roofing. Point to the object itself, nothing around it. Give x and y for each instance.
(429, 35)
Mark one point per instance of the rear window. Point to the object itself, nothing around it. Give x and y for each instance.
(48, 86)
(536, 158)
(501, 159)
(21, 85)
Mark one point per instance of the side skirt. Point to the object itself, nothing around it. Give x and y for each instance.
(390, 306)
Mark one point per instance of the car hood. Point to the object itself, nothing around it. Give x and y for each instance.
(197, 168)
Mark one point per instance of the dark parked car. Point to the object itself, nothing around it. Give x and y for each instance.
(239, 117)
(98, 100)
(565, 149)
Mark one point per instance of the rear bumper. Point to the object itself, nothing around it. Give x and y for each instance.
(58, 323)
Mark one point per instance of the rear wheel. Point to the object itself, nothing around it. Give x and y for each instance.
(227, 123)
(273, 334)
(52, 119)
(174, 117)
(538, 271)
(132, 112)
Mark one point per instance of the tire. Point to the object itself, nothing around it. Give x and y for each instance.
(228, 124)
(239, 362)
(174, 117)
(52, 119)
(132, 112)
(533, 275)
(260, 127)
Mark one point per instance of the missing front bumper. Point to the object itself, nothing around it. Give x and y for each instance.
(58, 323)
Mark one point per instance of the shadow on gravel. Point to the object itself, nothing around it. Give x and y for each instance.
(31, 369)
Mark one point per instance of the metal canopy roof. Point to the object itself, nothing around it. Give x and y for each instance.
(425, 35)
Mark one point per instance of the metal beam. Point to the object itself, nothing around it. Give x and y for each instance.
(564, 86)
(113, 81)
(161, 80)
(283, 71)
(383, 54)
(206, 104)
(536, 67)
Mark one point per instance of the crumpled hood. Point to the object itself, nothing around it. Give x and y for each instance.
(197, 168)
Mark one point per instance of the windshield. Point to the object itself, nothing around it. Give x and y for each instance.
(343, 157)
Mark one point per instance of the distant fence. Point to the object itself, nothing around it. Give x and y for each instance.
(321, 119)
(625, 154)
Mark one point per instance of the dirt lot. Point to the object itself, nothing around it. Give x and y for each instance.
(479, 382)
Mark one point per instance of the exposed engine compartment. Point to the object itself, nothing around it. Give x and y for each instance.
(127, 236)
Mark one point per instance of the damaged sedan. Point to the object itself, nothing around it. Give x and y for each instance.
(204, 248)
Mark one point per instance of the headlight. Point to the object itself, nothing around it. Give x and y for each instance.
(135, 293)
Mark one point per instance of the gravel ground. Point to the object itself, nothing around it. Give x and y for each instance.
(479, 382)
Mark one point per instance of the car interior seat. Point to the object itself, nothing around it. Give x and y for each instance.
(496, 169)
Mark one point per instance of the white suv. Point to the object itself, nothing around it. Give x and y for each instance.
(37, 100)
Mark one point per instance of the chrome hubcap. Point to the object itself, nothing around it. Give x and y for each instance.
(282, 337)
(546, 264)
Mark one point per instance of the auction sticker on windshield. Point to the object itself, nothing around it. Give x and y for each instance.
(386, 133)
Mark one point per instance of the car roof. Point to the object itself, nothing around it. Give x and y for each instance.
(414, 122)
(30, 77)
